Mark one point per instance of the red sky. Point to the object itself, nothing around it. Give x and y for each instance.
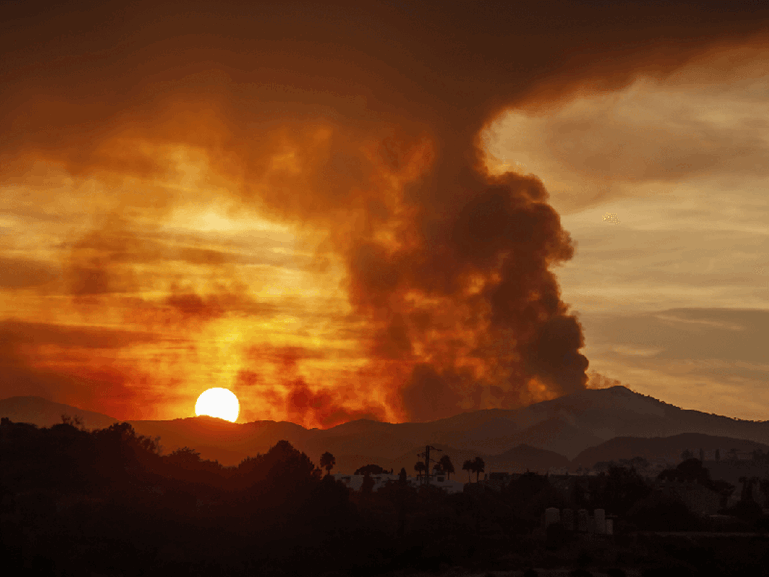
(382, 209)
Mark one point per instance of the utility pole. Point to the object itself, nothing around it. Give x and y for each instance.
(426, 455)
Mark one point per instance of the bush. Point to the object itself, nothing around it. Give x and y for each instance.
(659, 512)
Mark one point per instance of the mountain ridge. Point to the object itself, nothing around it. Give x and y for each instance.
(565, 427)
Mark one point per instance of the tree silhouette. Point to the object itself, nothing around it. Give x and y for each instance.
(624, 487)
(370, 470)
(731, 454)
(689, 471)
(687, 454)
(718, 455)
(747, 488)
(419, 467)
(327, 461)
(468, 466)
(724, 489)
(446, 465)
(368, 484)
(183, 457)
(478, 467)
(281, 470)
(75, 421)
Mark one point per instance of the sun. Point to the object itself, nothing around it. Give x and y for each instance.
(218, 402)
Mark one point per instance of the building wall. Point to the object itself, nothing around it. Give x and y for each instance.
(355, 482)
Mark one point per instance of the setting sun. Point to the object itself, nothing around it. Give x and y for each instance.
(218, 402)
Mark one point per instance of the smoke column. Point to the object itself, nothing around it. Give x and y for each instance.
(360, 125)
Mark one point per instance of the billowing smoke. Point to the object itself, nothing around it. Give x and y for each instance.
(357, 125)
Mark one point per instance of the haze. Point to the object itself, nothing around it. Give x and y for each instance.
(347, 210)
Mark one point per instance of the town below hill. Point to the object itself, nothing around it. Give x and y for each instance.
(109, 501)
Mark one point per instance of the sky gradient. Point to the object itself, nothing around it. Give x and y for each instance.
(391, 211)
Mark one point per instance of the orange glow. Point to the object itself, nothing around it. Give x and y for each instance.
(293, 204)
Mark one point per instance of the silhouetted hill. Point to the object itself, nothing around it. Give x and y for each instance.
(219, 440)
(572, 423)
(664, 448)
(44, 413)
(566, 426)
(525, 457)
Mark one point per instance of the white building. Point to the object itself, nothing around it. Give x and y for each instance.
(355, 482)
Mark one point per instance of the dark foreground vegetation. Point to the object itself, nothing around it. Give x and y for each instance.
(107, 502)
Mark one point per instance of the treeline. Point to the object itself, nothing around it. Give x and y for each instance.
(109, 502)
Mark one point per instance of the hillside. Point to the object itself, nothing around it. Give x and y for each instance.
(44, 413)
(667, 449)
(562, 429)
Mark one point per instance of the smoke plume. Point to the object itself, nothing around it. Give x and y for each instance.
(359, 127)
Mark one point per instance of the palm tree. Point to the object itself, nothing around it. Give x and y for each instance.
(446, 465)
(478, 467)
(327, 461)
(419, 468)
(469, 466)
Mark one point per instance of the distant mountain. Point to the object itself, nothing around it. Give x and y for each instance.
(216, 439)
(44, 413)
(523, 457)
(667, 449)
(559, 429)
(572, 423)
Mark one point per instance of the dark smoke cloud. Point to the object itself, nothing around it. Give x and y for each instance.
(301, 403)
(359, 123)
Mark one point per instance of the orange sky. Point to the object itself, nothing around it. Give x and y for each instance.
(381, 209)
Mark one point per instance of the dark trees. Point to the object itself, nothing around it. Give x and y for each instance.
(479, 466)
(446, 465)
(690, 471)
(368, 484)
(370, 470)
(327, 461)
(468, 466)
(624, 487)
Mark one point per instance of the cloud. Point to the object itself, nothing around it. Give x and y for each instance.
(23, 272)
(728, 334)
(636, 351)
(647, 138)
(357, 126)
(275, 381)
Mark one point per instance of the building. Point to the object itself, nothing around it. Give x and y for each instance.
(355, 482)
